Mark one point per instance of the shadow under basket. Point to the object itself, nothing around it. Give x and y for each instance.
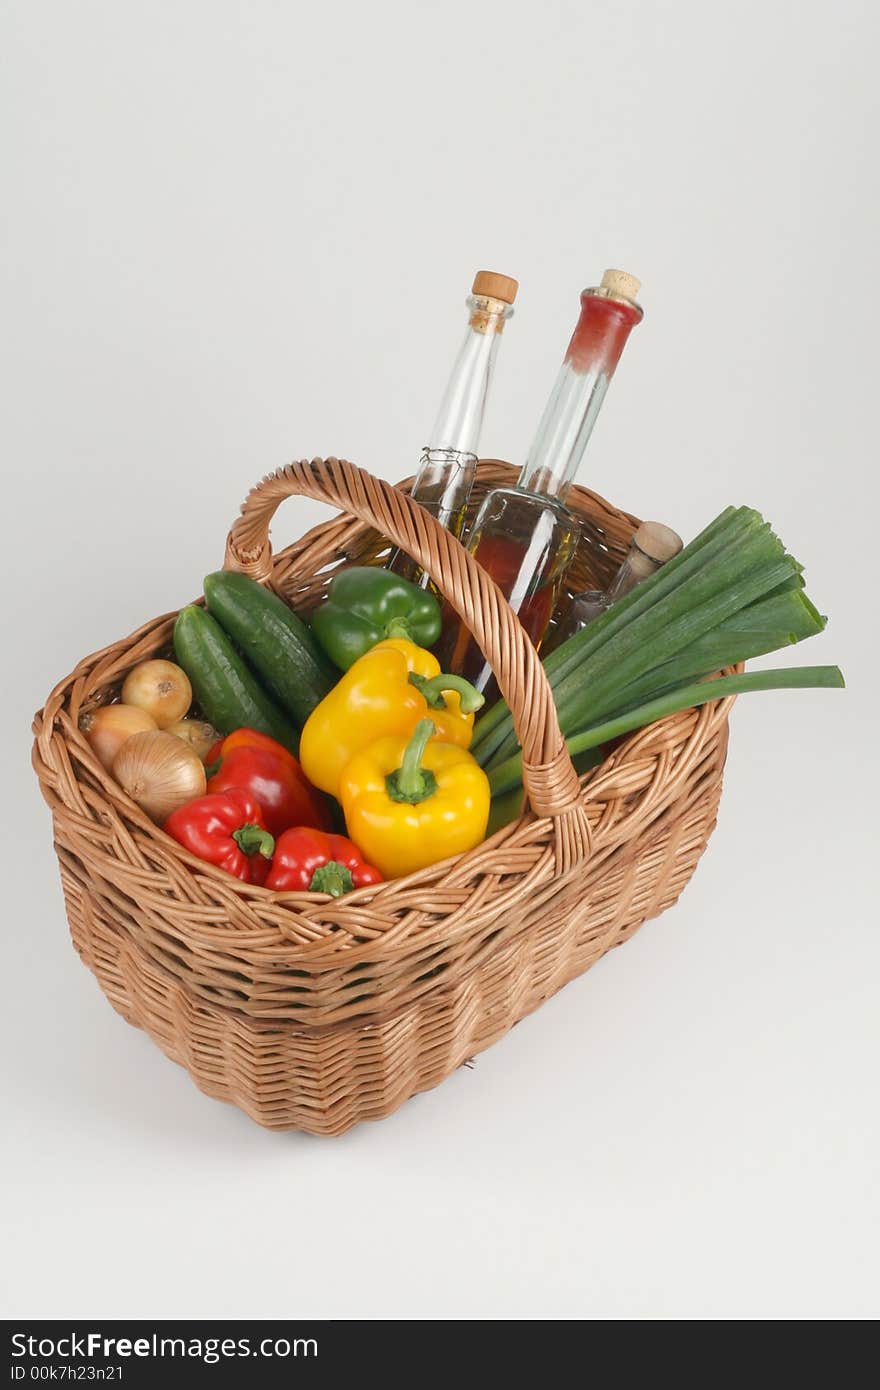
(314, 1013)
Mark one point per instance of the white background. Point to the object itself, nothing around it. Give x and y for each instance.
(237, 233)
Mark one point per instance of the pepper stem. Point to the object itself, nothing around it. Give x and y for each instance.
(253, 839)
(398, 628)
(333, 878)
(411, 782)
(432, 688)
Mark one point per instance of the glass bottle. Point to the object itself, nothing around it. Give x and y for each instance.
(651, 546)
(524, 536)
(448, 464)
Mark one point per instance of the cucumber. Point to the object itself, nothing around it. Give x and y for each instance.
(229, 693)
(273, 640)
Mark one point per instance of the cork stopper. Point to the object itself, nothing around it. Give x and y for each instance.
(489, 284)
(658, 542)
(621, 284)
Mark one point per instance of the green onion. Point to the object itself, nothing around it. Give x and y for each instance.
(732, 594)
(508, 775)
(735, 543)
(574, 652)
(781, 620)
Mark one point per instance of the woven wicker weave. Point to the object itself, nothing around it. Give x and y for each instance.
(314, 1013)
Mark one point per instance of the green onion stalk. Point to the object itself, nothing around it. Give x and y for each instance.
(731, 595)
(508, 775)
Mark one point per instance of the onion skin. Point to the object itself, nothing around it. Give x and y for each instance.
(159, 687)
(198, 733)
(159, 772)
(110, 726)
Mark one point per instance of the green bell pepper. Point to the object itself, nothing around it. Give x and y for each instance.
(366, 605)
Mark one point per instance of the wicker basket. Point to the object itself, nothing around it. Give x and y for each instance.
(314, 1013)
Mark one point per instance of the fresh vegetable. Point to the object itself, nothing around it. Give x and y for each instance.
(409, 803)
(274, 641)
(108, 727)
(200, 736)
(365, 605)
(311, 861)
(387, 691)
(161, 689)
(272, 777)
(248, 738)
(506, 807)
(226, 829)
(159, 772)
(229, 693)
(506, 776)
(732, 594)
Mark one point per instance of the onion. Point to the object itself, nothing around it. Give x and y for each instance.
(200, 735)
(159, 772)
(160, 688)
(108, 727)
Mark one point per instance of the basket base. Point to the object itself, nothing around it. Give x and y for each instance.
(326, 1080)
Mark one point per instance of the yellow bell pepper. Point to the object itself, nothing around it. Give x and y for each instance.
(385, 692)
(410, 803)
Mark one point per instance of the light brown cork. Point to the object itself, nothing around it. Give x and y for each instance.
(657, 541)
(490, 285)
(621, 283)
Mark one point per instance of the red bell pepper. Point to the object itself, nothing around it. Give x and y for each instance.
(311, 861)
(271, 775)
(226, 829)
(248, 738)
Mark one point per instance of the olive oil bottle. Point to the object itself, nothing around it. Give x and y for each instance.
(448, 464)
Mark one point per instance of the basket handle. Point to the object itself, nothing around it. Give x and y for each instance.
(549, 777)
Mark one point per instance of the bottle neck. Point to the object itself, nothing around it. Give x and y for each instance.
(460, 418)
(564, 431)
(636, 567)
